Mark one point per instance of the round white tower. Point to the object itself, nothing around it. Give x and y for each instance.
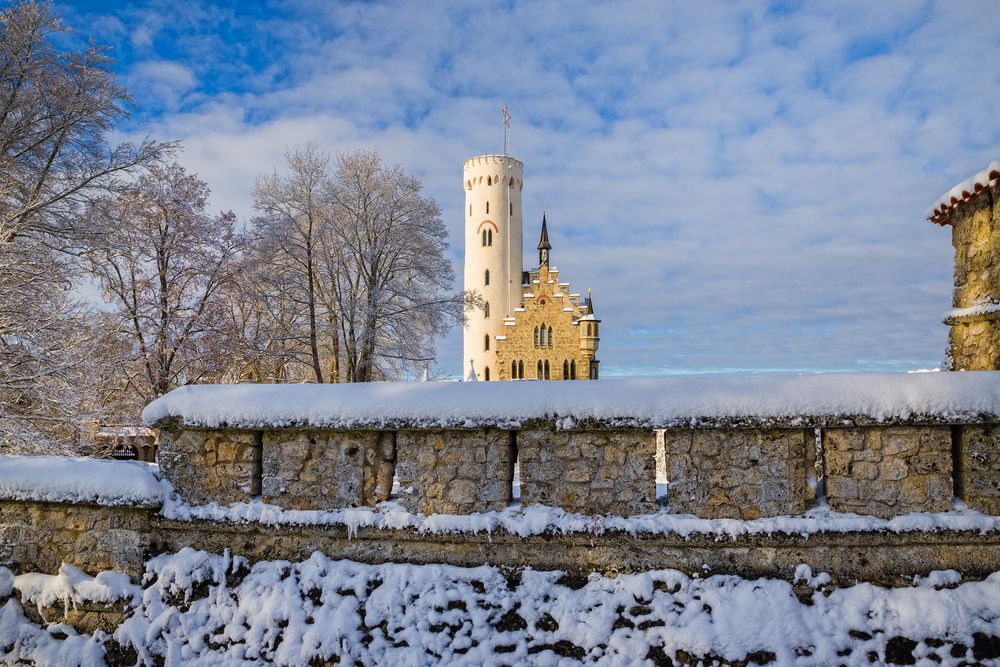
(493, 263)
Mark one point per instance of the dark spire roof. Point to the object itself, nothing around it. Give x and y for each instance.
(543, 243)
(589, 310)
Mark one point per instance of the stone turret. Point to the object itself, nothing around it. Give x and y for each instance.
(972, 208)
(590, 336)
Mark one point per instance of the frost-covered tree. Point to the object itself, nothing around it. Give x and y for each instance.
(57, 108)
(164, 264)
(350, 268)
(393, 294)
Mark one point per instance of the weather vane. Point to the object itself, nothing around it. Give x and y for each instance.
(506, 125)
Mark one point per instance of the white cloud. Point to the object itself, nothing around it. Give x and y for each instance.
(749, 182)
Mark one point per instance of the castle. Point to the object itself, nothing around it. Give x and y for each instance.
(530, 325)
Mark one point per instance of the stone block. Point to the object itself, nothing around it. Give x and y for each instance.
(888, 470)
(739, 473)
(454, 471)
(321, 469)
(611, 472)
(207, 466)
(978, 466)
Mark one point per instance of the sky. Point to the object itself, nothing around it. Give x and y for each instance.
(742, 184)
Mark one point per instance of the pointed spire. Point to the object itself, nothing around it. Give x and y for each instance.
(471, 375)
(427, 374)
(589, 310)
(543, 243)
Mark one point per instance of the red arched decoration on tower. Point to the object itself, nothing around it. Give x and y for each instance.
(490, 223)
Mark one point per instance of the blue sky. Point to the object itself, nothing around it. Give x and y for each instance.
(742, 184)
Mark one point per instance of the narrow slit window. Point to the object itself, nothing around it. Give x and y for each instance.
(486, 373)
(484, 237)
(565, 370)
(539, 370)
(512, 208)
(513, 370)
(486, 310)
(546, 369)
(536, 336)
(520, 369)
(486, 343)
(486, 281)
(550, 336)
(572, 370)
(487, 207)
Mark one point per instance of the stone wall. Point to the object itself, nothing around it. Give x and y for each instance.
(455, 472)
(212, 466)
(975, 339)
(42, 536)
(743, 473)
(977, 466)
(738, 474)
(887, 471)
(326, 469)
(591, 472)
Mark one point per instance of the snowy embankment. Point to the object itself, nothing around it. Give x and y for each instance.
(64, 479)
(656, 402)
(199, 608)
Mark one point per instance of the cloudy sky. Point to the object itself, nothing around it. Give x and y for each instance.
(742, 184)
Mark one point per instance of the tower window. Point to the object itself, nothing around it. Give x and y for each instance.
(589, 330)
(489, 237)
(539, 370)
(546, 369)
(520, 369)
(550, 336)
(489, 181)
(536, 336)
(486, 310)
(470, 210)
(487, 279)
(484, 237)
(572, 370)
(541, 336)
(487, 207)
(513, 370)
(512, 208)
(486, 373)
(565, 370)
(486, 343)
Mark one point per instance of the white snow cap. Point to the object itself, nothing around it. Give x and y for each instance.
(469, 377)
(655, 402)
(964, 191)
(79, 480)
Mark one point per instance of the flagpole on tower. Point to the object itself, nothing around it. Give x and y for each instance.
(506, 124)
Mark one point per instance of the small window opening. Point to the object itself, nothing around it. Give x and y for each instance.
(539, 370)
(489, 237)
(513, 370)
(520, 369)
(486, 373)
(486, 343)
(487, 207)
(550, 337)
(487, 280)
(486, 310)
(536, 336)
(484, 237)
(546, 369)
(565, 370)
(512, 208)
(572, 370)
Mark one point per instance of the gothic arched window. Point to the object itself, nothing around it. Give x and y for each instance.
(486, 343)
(520, 369)
(541, 337)
(513, 370)
(539, 370)
(550, 336)
(565, 370)
(572, 370)
(546, 369)
(536, 336)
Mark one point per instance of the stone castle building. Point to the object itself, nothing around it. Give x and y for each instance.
(972, 209)
(531, 326)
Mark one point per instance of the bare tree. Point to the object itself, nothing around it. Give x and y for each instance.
(393, 295)
(56, 111)
(165, 268)
(293, 214)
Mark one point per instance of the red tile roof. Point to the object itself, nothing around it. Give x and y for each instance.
(953, 200)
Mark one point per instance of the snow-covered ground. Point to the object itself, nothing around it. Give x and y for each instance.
(200, 608)
(79, 480)
(654, 402)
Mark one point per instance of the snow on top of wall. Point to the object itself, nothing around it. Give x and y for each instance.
(963, 192)
(540, 519)
(978, 309)
(65, 479)
(655, 402)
